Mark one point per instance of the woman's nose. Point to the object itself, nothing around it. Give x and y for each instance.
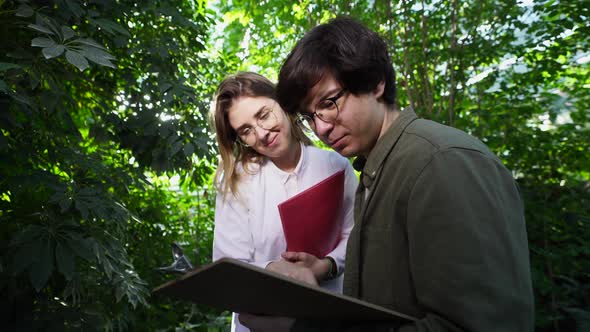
(260, 132)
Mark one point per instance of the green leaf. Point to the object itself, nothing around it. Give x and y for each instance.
(4, 66)
(119, 293)
(89, 42)
(97, 56)
(77, 60)
(53, 51)
(189, 149)
(41, 270)
(41, 28)
(82, 247)
(164, 87)
(42, 42)
(65, 260)
(82, 207)
(3, 86)
(25, 256)
(110, 26)
(84, 49)
(66, 202)
(24, 11)
(176, 147)
(75, 8)
(67, 32)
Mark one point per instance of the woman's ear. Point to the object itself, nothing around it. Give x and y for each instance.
(378, 91)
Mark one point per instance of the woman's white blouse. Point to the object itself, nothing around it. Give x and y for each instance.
(249, 227)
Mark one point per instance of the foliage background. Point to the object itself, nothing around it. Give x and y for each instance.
(106, 156)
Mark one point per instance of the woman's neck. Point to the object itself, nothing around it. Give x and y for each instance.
(289, 162)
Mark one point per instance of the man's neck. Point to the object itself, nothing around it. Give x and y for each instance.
(388, 119)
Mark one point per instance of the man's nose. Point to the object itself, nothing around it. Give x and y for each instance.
(323, 129)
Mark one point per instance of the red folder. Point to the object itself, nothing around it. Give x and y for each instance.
(311, 218)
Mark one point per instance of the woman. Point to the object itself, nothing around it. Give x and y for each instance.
(266, 159)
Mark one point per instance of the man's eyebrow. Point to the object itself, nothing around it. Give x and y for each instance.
(256, 115)
(328, 93)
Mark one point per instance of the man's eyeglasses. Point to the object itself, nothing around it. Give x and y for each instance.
(326, 110)
(266, 119)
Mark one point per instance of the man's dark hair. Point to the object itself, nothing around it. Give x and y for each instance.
(353, 54)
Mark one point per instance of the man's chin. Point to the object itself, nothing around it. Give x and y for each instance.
(345, 151)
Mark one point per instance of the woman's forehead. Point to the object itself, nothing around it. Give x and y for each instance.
(245, 109)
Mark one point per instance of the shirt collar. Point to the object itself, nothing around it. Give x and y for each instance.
(301, 165)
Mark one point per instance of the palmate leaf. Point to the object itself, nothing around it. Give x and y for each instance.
(98, 58)
(53, 51)
(83, 247)
(42, 42)
(41, 270)
(65, 258)
(24, 10)
(110, 26)
(75, 8)
(89, 42)
(77, 60)
(41, 28)
(24, 257)
(4, 66)
(189, 149)
(67, 32)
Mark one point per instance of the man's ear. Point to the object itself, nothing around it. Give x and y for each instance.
(378, 91)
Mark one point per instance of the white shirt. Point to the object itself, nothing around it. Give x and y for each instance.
(249, 227)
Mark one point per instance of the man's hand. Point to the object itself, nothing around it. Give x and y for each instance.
(319, 267)
(294, 271)
(266, 323)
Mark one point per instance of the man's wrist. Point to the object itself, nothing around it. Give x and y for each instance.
(332, 268)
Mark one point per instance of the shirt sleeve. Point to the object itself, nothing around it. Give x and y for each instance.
(232, 236)
(350, 185)
(468, 247)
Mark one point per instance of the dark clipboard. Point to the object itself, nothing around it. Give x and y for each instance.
(229, 284)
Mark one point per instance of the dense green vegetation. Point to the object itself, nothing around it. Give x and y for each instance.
(106, 156)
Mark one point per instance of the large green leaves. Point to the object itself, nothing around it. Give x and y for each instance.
(80, 136)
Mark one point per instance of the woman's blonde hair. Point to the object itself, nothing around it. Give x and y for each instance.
(242, 84)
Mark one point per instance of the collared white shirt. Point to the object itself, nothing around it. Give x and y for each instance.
(249, 227)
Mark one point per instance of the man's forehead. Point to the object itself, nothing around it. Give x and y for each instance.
(322, 90)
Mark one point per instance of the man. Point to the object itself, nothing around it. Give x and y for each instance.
(439, 224)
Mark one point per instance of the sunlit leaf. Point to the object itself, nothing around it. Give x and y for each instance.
(67, 32)
(77, 60)
(53, 51)
(42, 42)
(41, 28)
(89, 42)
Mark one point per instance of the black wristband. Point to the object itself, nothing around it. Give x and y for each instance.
(333, 271)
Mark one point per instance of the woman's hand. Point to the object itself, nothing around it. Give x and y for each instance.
(320, 267)
(292, 270)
